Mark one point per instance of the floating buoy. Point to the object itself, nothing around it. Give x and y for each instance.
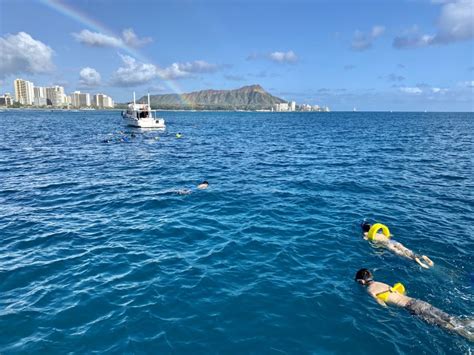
(399, 288)
(375, 228)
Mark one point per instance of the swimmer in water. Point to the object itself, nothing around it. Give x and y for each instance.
(395, 296)
(383, 240)
(202, 186)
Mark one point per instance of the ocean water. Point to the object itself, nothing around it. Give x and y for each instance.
(98, 253)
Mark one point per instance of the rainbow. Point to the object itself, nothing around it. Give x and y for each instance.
(86, 20)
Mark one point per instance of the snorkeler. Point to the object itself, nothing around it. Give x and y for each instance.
(383, 239)
(395, 296)
(201, 186)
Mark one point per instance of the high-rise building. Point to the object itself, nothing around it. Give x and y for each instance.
(40, 96)
(282, 107)
(292, 106)
(79, 99)
(55, 96)
(40, 91)
(24, 92)
(6, 100)
(102, 101)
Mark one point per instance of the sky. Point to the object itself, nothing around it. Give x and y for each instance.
(377, 55)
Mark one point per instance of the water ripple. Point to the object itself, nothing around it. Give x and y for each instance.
(98, 253)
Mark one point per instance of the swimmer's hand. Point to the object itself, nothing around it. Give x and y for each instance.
(184, 192)
(380, 302)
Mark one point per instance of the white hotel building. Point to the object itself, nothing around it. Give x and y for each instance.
(24, 92)
(286, 107)
(79, 99)
(103, 101)
(55, 96)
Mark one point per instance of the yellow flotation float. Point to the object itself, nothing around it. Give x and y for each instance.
(397, 288)
(375, 228)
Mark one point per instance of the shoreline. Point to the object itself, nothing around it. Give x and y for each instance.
(4, 109)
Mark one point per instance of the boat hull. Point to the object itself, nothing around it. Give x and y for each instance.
(147, 122)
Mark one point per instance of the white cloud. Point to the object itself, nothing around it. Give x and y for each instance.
(136, 73)
(467, 84)
(377, 31)
(455, 23)
(199, 66)
(133, 72)
(277, 57)
(89, 77)
(97, 39)
(362, 41)
(413, 40)
(283, 57)
(174, 71)
(131, 38)
(441, 91)
(411, 90)
(184, 70)
(21, 53)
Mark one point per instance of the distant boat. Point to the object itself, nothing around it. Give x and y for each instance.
(142, 116)
(354, 110)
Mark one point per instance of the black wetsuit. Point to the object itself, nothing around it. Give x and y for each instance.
(437, 317)
(430, 314)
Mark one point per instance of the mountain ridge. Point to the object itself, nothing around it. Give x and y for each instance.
(250, 97)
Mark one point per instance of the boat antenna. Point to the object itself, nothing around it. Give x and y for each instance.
(149, 107)
(134, 98)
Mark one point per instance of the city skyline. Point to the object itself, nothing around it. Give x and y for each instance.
(407, 55)
(26, 93)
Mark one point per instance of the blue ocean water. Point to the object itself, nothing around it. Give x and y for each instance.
(99, 253)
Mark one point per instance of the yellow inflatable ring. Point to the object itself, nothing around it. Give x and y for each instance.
(399, 288)
(375, 228)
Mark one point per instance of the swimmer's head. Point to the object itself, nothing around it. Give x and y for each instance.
(365, 227)
(364, 277)
(203, 185)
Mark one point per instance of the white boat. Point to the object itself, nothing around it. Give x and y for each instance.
(142, 116)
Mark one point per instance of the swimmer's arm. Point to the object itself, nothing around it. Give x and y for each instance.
(184, 192)
(379, 301)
